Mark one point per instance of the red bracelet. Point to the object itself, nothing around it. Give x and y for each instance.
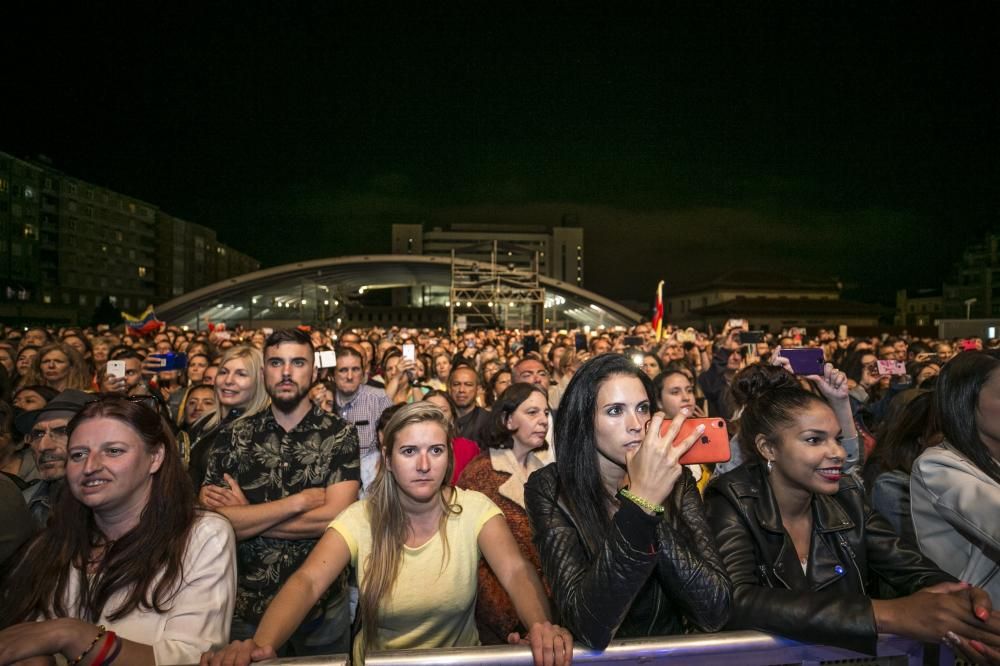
(108, 642)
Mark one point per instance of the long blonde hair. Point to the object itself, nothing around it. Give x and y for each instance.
(389, 522)
(260, 400)
(79, 372)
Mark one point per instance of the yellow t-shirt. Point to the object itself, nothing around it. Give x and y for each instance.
(429, 607)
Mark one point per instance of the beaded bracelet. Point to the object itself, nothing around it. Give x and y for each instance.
(100, 632)
(102, 653)
(642, 503)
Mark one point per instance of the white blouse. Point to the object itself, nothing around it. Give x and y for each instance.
(199, 616)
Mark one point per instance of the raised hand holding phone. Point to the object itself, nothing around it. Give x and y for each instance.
(654, 466)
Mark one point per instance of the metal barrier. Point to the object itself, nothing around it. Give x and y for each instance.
(736, 648)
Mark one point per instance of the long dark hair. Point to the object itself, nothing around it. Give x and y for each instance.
(956, 401)
(908, 429)
(146, 562)
(499, 435)
(576, 444)
(771, 397)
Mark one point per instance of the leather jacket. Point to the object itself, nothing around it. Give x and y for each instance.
(649, 574)
(851, 546)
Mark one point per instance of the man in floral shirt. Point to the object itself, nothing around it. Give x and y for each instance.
(280, 477)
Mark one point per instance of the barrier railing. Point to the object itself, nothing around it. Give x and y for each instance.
(736, 648)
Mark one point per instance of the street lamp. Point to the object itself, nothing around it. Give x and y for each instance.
(968, 306)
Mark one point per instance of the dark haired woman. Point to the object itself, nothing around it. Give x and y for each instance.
(908, 429)
(617, 520)
(127, 567)
(801, 543)
(955, 486)
(517, 448)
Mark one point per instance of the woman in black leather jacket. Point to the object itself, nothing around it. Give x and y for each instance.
(618, 521)
(803, 546)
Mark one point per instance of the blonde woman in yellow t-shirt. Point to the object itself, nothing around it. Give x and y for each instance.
(415, 543)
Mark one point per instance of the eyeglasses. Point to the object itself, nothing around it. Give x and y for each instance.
(57, 433)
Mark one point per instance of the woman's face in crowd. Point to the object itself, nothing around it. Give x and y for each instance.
(24, 359)
(391, 368)
(110, 469)
(76, 343)
(29, 401)
(504, 380)
(419, 461)
(650, 366)
(529, 423)
(199, 402)
(808, 454)
(489, 369)
(622, 412)
(233, 384)
(101, 350)
(677, 393)
(442, 404)
(442, 366)
(55, 367)
(988, 414)
(6, 360)
(196, 369)
(945, 352)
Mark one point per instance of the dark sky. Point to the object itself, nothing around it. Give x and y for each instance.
(827, 138)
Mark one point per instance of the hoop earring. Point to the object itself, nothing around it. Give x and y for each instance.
(770, 466)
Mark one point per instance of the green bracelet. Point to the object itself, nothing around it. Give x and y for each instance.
(644, 504)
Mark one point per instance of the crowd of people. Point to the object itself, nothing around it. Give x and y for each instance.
(230, 496)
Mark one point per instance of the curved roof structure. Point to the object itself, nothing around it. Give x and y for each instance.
(267, 292)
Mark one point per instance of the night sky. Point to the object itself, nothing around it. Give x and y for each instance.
(857, 140)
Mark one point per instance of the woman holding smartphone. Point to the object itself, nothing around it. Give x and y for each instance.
(617, 520)
(802, 544)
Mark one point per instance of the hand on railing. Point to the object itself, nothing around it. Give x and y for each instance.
(238, 653)
(551, 645)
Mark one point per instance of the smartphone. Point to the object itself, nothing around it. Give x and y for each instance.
(116, 369)
(891, 367)
(634, 341)
(751, 337)
(409, 352)
(170, 361)
(968, 345)
(735, 324)
(805, 360)
(530, 344)
(580, 341)
(713, 447)
(326, 358)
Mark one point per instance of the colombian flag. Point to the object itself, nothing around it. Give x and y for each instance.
(658, 315)
(145, 323)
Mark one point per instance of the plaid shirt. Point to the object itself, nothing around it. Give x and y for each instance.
(364, 409)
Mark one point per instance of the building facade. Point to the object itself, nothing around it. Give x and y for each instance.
(67, 245)
(560, 249)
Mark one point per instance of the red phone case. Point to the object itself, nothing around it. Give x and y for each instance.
(713, 447)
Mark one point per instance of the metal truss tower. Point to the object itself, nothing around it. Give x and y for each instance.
(495, 294)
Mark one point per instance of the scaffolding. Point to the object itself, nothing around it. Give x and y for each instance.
(496, 294)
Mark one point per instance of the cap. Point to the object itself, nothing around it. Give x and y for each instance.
(65, 405)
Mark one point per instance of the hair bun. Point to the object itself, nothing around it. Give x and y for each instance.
(758, 380)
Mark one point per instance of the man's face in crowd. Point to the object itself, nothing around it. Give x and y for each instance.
(532, 372)
(133, 375)
(34, 336)
(288, 374)
(48, 444)
(462, 387)
(601, 346)
(349, 373)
